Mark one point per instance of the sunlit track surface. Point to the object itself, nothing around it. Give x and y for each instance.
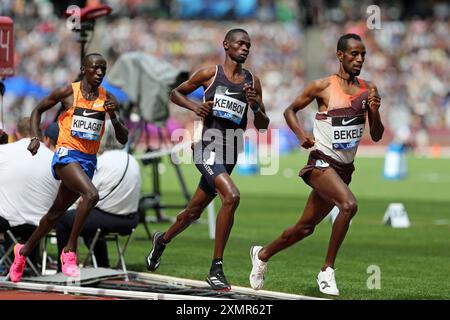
(167, 289)
(165, 284)
(92, 291)
(142, 286)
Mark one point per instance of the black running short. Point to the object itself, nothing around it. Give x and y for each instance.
(210, 163)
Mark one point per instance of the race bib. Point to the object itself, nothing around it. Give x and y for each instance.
(227, 107)
(347, 132)
(87, 124)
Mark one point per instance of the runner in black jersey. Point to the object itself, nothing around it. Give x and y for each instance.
(230, 91)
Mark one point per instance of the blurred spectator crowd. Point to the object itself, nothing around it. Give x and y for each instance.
(408, 59)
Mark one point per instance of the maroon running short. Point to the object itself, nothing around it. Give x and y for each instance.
(317, 159)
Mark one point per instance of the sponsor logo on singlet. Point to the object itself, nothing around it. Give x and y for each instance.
(87, 123)
(227, 106)
(347, 131)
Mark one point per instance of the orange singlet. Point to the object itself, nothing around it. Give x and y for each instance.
(339, 99)
(81, 127)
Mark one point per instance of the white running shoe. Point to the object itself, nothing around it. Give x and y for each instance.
(259, 268)
(327, 282)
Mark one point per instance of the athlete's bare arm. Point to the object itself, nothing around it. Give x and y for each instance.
(375, 124)
(312, 91)
(255, 102)
(57, 95)
(202, 77)
(111, 106)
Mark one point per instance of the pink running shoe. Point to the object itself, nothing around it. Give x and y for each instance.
(69, 264)
(18, 266)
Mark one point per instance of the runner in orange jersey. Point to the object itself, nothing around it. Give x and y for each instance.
(81, 125)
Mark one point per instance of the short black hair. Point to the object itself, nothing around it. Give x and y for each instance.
(230, 34)
(87, 57)
(342, 42)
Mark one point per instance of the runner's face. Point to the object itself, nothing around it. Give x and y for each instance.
(238, 47)
(95, 70)
(353, 57)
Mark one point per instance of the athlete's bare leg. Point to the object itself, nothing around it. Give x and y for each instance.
(230, 197)
(331, 187)
(191, 213)
(64, 199)
(316, 209)
(78, 182)
(328, 190)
